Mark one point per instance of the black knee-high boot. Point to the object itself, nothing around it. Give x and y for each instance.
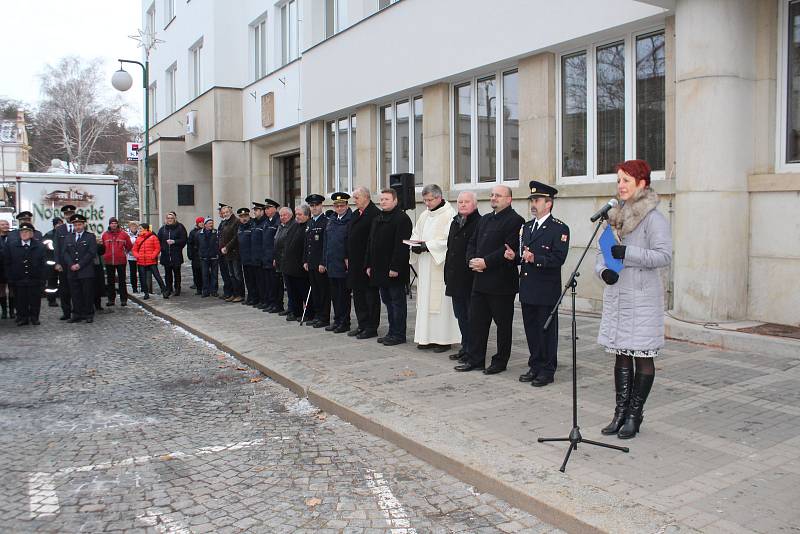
(635, 413)
(623, 383)
(4, 308)
(11, 310)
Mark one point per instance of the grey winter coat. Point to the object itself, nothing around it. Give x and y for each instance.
(633, 308)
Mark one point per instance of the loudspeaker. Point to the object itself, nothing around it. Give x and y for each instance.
(403, 184)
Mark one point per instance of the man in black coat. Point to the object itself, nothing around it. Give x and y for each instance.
(24, 265)
(247, 255)
(366, 299)
(77, 258)
(229, 247)
(387, 264)
(543, 248)
(490, 254)
(194, 256)
(172, 237)
(292, 250)
(312, 262)
(273, 285)
(458, 276)
(60, 236)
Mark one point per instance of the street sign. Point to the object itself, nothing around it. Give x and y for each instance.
(133, 151)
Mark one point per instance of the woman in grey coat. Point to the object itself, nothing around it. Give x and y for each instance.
(632, 327)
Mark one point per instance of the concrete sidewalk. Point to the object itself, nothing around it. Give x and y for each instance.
(719, 449)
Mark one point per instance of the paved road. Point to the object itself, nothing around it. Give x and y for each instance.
(132, 425)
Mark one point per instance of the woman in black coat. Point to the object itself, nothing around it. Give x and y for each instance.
(295, 276)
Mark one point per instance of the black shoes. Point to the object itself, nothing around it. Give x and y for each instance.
(527, 377)
(493, 370)
(123, 303)
(331, 327)
(64, 317)
(391, 341)
(634, 415)
(354, 333)
(89, 319)
(291, 317)
(321, 324)
(456, 356)
(441, 348)
(146, 297)
(623, 384)
(541, 381)
(341, 329)
(464, 367)
(283, 313)
(428, 346)
(109, 303)
(35, 322)
(74, 319)
(367, 334)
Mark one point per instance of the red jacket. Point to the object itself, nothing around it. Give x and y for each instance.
(117, 245)
(146, 248)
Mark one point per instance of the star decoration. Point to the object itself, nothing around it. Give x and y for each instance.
(146, 39)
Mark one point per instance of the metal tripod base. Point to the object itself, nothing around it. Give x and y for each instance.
(575, 438)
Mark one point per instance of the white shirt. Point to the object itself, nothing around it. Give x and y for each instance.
(540, 222)
(78, 236)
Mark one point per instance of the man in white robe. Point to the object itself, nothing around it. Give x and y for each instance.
(436, 326)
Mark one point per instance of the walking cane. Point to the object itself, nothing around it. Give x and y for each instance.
(305, 306)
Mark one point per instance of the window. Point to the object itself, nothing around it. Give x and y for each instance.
(478, 125)
(612, 107)
(382, 4)
(170, 79)
(400, 142)
(340, 141)
(169, 11)
(195, 64)
(289, 31)
(151, 93)
(792, 87)
(150, 20)
(185, 195)
(259, 31)
(330, 18)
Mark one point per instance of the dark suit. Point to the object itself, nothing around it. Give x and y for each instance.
(81, 252)
(493, 290)
(60, 235)
(296, 277)
(366, 299)
(312, 255)
(458, 277)
(26, 271)
(539, 289)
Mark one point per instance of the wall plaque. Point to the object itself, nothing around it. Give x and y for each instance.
(268, 110)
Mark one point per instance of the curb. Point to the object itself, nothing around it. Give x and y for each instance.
(468, 474)
(729, 339)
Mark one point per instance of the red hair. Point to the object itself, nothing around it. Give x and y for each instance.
(638, 168)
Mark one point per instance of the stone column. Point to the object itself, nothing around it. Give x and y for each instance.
(436, 135)
(229, 180)
(366, 148)
(537, 120)
(313, 167)
(715, 73)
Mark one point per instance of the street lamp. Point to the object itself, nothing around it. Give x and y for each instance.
(122, 81)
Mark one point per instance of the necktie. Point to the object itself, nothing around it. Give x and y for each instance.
(535, 225)
(69, 228)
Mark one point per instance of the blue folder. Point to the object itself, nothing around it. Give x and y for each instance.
(608, 240)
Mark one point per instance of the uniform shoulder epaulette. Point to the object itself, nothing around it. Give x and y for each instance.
(558, 221)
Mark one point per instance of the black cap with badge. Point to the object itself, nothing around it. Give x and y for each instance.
(24, 215)
(68, 208)
(258, 206)
(77, 218)
(243, 211)
(271, 203)
(340, 197)
(538, 189)
(314, 199)
(26, 226)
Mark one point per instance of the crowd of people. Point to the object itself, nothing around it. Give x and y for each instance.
(315, 268)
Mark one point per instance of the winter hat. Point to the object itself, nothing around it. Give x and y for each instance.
(200, 219)
(207, 219)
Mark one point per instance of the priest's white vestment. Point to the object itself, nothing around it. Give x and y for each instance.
(435, 322)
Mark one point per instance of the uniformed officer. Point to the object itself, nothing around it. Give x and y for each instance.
(246, 254)
(273, 280)
(543, 247)
(24, 217)
(48, 239)
(59, 238)
(312, 262)
(24, 264)
(335, 262)
(77, 258)
(256, 242)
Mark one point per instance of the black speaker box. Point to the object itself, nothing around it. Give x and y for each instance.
(403, 184)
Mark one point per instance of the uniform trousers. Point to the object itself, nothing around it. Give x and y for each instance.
(52, 285)
(340, 295)
(82, 292)
(297, 288)
(115, 275)
(28, 300)
(172, 277)
(542, 345)
(367, 302)
(320, 294)
(266, 287)
(64, 293)
(485, 308)
(251, 273)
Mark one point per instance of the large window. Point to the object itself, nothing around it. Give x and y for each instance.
(400, 139)
(612, 107)
(195, 65)
(792, 76)
(485, 111)
(169, 11)
(289, 32)
(150, 19)
(340, 161)
(171, 83)
(259, 32)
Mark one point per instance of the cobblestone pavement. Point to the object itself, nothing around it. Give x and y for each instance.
(132, 425)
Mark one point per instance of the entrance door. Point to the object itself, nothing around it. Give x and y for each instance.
(291, 180)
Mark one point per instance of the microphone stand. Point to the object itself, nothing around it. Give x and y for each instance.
(575, 434)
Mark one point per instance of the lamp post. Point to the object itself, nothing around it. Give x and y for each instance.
(122, 81)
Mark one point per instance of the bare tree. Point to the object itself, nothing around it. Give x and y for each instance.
(75, 113)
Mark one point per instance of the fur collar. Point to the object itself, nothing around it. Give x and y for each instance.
(627, 216)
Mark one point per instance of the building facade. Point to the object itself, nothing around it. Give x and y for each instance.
(14, 154)
(256, 99)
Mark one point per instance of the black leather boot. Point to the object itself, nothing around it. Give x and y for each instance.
(634, 414)
(623, 383)
(11, 309)
(4, 307)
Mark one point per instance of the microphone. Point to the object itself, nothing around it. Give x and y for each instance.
(605, 209)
